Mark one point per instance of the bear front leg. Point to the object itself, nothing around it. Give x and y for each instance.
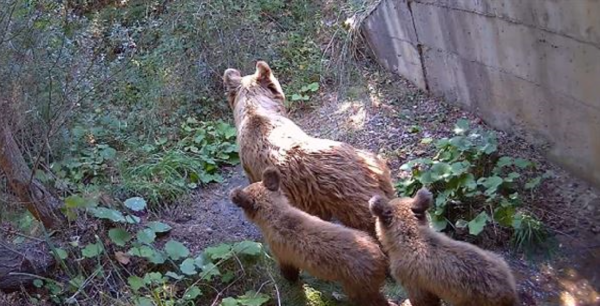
(362, 295)
(419, 297)
(248, 173)
(289, 272)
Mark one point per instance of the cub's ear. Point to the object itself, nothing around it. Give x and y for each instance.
(421, 202)
(271, 179)
(264, 76)
(232, 79)
(240, 198)
(263, 71)
(380, 208)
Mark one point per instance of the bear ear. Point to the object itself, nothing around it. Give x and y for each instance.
(232, 79)
(271, 179)
(240, 198)
(421, 202)
(380, 208)
(263, 71)
(264, 76)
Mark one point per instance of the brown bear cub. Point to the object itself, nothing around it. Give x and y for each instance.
(432, 266)
(301, 241)
(322, 177)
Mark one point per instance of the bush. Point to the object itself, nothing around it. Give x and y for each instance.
(474, 186)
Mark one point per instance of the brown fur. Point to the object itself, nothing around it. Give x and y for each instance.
(322, 177)
(431, 266)
(301, 241)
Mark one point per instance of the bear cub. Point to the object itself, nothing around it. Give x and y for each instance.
(326, 250)
(431, 266)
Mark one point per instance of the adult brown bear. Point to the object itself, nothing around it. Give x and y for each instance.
(322, 177)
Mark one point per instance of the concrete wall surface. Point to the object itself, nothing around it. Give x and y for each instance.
(529, 66)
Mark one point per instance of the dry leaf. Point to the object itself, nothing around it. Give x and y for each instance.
(122, 257)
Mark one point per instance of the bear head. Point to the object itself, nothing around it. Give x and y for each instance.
(401, 213)
(261, 197)
(262, 86)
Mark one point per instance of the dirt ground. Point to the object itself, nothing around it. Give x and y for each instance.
(388, 115)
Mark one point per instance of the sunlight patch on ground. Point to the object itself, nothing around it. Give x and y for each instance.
(577, 288)
(356, 114)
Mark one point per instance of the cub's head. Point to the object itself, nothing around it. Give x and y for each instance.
(401, 214)
(262, 87)
(260, 197)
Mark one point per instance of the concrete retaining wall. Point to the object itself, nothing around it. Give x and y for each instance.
(531, 67)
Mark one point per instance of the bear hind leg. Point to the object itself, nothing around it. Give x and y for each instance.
(419, 297)
(289, 272)
(361, 296)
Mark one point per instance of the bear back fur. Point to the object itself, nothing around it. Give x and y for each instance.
(322, 177)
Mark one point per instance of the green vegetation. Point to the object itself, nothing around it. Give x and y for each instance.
(117, 108)
(474, 186)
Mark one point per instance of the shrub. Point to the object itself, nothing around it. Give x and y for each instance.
(474, 186)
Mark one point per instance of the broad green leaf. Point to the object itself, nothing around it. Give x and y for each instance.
(119, 236)
(511, 177)
(192, 293)
(229, 301)
(142, 251)
(522, 163)
(251, 298)
(227, 277)
(107, 213)
(77, 282)
(75, 201)
(504, 161)
(461, 126)
(143, 301)
(222, 251)
(146, 236)
(108, 153)
(491, 184)
(136, 282)
(38, 283)
(131, 219)
(92, 250)
(187, 267)
(154, 277)
(157, 258)
(460, 167)
(534, 182)
(440, 170)
(174, 275)
(461, 223)
(313, 86)
(296, 97)
(476, 225)
(62, 254)
(247, 248)
(438, 223)
(135, 203)
(158, 227)
(208, 271)
(176, 250)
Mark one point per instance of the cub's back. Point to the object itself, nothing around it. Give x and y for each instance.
(325, 250)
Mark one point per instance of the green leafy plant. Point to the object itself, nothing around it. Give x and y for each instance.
(305, 92)
(176, 276)
(474, 186)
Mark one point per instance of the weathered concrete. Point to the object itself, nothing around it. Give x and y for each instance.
(531, 66)
(391, 25)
